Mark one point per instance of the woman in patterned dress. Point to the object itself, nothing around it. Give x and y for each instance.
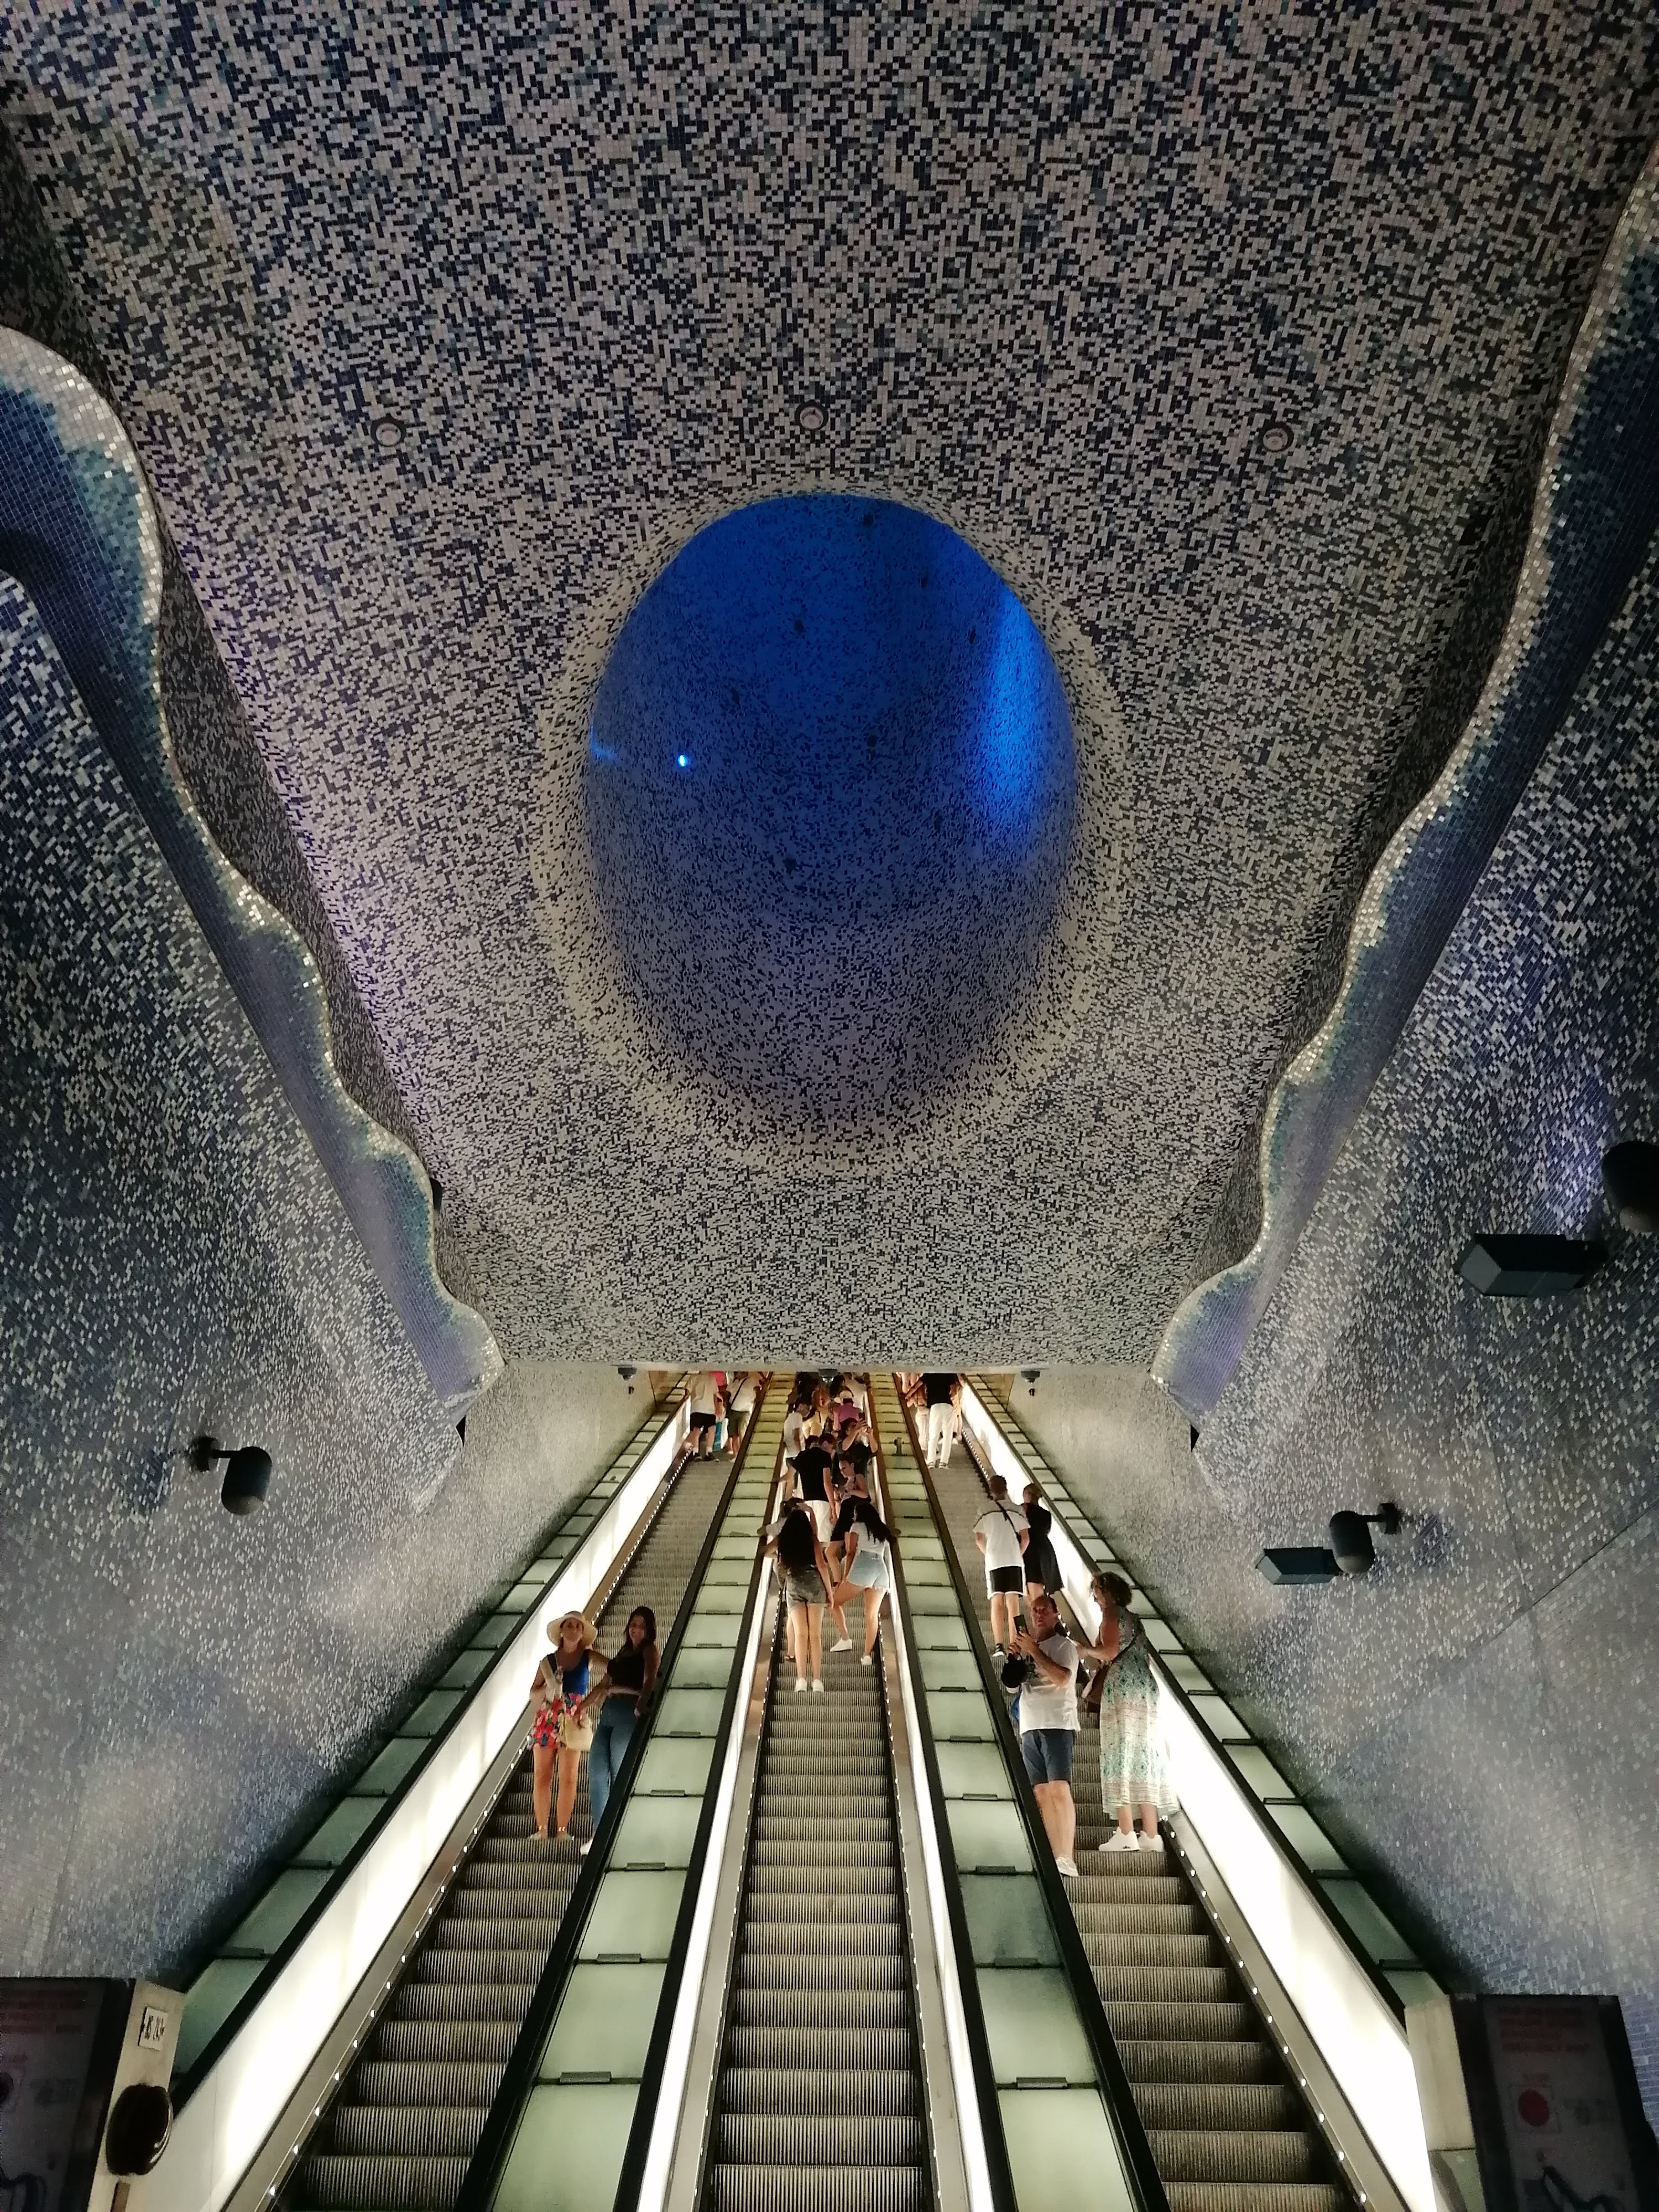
(1125, 1695)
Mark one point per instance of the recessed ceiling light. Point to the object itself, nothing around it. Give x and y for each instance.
(388, 435)
(809, 415)
(1275, 439)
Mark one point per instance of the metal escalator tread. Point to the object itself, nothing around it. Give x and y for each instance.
(405, 2119)
(819, 2105)
(1228, 2133)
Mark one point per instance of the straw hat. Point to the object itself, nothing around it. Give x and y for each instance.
(554, 1629)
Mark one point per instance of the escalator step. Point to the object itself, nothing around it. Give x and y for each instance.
(1257, 2197)
(363, 2184)
(863, 2088)
(1235, 2155)
(843, 2189)
(779, 2048)
(1212, 2105)
(807, 2139)
(443, 2130)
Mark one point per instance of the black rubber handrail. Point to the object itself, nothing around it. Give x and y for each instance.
(1275, 1835)
(1003, 2195)
(645, 2108)
(495, 2143)
(272, 1963)
(1145, 2183)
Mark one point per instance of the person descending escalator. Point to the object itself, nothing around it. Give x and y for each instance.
(793, 1541)
(864, 1537)
(559, 1729)
(1043, 1664)
(1042, 1568)
(629, 1678)
(939, 1394)
(1001, 1536)
(1125, 1695)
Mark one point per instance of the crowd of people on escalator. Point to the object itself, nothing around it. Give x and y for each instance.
(1042, 1656)
(831, 1544)
(833, 1549)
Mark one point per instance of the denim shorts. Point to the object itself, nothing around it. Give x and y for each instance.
(1047, 1753)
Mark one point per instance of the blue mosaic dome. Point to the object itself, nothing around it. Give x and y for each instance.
(830, 790)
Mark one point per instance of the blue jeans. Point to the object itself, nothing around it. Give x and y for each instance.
(612, 1735)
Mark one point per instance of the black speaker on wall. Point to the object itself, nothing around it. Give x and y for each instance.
(1527, 1267)
(1629, 1176)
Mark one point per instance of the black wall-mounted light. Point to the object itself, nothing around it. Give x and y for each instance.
(1028, 1377)
(247, 1474)
(1629, 1176)
(627, 1374)
(1527, 1267)
(1350, 1550)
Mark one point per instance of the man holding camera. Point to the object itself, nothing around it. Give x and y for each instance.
(1042, 1661)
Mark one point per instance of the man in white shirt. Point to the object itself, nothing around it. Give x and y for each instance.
(1048, 1723)
(741, 1406)
(703, 1393)
(939, 1393)
(1001, 1535)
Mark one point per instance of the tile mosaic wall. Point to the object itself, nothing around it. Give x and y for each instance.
(1231, 341)
(179, 1685)
(1477, 1715)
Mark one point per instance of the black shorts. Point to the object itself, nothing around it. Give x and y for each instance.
(701, 1421)
(1004, 1578)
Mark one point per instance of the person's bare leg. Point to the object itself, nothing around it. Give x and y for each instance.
(541, 1792)
(1149, 1821)
(997, 1636)
(838, 1610)
(1064, 1832)
(872, 1619)
(798, 1638)
(1126, 1820)
(815, 1640)
(1044, 1793)
(570, 1764)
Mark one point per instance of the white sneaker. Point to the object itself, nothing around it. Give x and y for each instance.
(1117, 1841)
(818, 1689)
(1150, 1843)
(845, 1644)
(1067, 1867)
(800, 1684)
(868, 1660)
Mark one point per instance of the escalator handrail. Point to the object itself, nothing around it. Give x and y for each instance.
(630, 2180)
(1134, 2150)
(274, 1961)
(1000, 2172)
(490, 2156)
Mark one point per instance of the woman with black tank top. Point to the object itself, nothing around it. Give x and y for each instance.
(1042, 1567)
(629, 1678)
(805, 1579)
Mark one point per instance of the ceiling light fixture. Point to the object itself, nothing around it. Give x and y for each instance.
(1275, 439)
(812, 416)
(1028, 1377)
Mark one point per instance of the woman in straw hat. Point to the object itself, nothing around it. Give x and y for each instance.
(559, 1729)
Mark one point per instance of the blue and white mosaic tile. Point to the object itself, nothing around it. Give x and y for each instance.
(1231, 343)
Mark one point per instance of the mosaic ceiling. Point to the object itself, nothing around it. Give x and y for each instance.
(1231, 342)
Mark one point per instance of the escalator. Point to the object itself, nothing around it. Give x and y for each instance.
(1227, 2130)
(819, 2103)
(407, 2117)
